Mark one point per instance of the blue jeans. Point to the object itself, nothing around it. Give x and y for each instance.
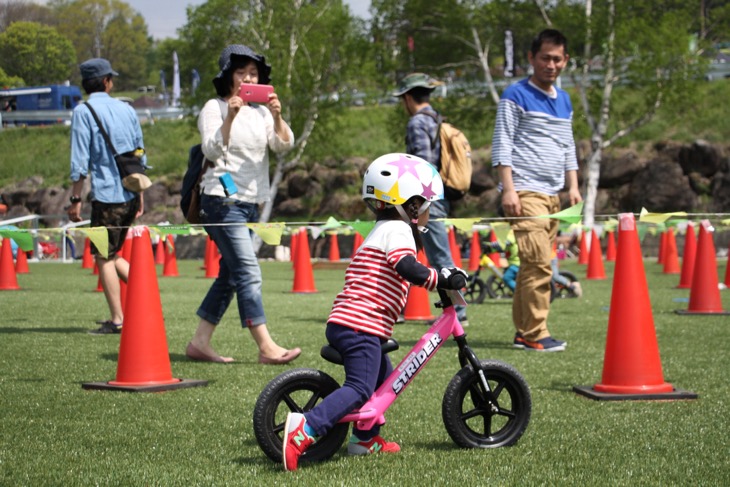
(510, 276)
(436, 243)
(239, 268)
(366, 367)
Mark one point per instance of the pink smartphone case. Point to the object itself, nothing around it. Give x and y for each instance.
(255, 93)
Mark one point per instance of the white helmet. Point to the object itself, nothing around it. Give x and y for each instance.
(394, 178)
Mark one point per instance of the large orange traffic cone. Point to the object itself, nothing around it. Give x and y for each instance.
(704, 297)
(632, 367)
(671, 257)
(144, 361)
(583, 257)
(610, 247)
(417, 304)
(170, 268)
(688, 258)
(475, 251)
(87, 260)
(494, 256)
(454, 247)
(212, 259)
(662, 248)
(356, 243)
(595, 268)
(334, 253)
(8, 278)
(21, 262)
(303, 275)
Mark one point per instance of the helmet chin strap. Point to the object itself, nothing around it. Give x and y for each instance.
(409, 220)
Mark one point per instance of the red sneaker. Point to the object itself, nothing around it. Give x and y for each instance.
(375, 445)
(296, 440)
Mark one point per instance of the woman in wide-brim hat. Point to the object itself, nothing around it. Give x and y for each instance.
(236, 137)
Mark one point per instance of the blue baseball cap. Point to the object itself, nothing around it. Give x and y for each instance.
(96, 68)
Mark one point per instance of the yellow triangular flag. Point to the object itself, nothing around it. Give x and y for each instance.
(270, 233)
(99, 237)
(463, 224)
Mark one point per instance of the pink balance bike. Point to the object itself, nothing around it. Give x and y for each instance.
(486, 405)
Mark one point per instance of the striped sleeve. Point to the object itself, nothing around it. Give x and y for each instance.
(505, 126)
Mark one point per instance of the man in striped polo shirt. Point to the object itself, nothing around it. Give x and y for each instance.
(534, 152)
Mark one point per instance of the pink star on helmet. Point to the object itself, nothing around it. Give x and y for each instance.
(428, 191)
(405, 165)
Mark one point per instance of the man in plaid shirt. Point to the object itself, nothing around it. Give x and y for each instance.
(422, 140)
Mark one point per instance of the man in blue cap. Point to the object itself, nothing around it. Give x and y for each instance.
(112, 206)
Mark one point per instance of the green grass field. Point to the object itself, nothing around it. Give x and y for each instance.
(53, 432)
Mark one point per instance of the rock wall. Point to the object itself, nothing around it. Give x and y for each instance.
(672, 177)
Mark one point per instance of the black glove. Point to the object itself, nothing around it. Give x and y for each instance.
(453, 278)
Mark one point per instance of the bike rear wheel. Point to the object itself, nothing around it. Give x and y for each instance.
(475, 291)
(298, 391)
(470, 420)
(497, 289)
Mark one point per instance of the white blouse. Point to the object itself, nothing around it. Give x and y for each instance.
(246, 157)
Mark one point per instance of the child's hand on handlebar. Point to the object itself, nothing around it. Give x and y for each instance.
(452, 278)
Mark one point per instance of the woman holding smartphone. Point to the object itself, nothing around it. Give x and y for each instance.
(236, 136)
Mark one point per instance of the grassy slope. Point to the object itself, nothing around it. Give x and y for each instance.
(55, 433)
(366, 132)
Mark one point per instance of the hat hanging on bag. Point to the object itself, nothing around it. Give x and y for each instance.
(96, 68)
(226, 61)
(416, 80)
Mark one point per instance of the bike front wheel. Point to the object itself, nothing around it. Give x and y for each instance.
(497, 289)
(470, 419)
(297, 391)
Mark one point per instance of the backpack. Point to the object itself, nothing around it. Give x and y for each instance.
(456, 163)
(194, 174)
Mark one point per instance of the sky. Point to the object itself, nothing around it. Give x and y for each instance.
(164, 17)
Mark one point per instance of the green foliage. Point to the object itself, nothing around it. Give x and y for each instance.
(7, 81)
(56, 433)
(110, 29)
(36, 53)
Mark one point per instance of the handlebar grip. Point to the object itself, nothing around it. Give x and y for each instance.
(457, 281)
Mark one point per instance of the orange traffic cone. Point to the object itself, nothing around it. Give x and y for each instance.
(212, 260)
(610, 247)
(727, 269)
(144, 360)
(21, 262)
(595, 259)
(688, 258)
(417, 304)
(454, 247)
(583, 249)
(356, 243)
(87, 260)
(100, 288)
(662, 248)
(475, 251)
(334, 253)
(170, 268)
(494, 256)
(632, 367)
(8, 278)
(160, 252)
(671, 258)
(704, 297)
(303, 275)
(294, 244)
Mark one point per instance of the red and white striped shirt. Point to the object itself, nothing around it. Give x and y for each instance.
(374, 292)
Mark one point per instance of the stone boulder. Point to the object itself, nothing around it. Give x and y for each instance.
(661, 187)
(619, 168)
(703, 158)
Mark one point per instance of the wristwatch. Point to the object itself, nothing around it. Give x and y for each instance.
(74, 199)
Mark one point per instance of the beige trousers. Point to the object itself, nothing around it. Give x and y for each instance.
(535, 236)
